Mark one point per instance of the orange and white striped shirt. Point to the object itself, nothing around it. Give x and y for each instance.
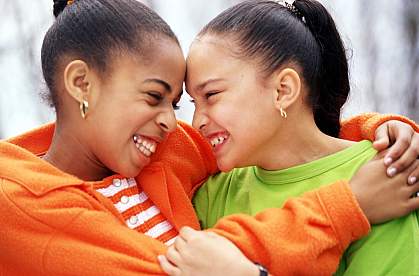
(138, 210)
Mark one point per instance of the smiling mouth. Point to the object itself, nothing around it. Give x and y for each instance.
(144, 145)
(218, 139)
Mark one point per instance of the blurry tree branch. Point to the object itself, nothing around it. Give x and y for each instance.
(25, 42)
(367, 17)
(411, 12)
(23, 45)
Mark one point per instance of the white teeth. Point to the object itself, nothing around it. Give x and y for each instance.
(217, 140)
(153, 148)
(145, 151)
(147, 147)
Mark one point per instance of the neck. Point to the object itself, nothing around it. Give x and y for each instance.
(69, 154)
(299, 141)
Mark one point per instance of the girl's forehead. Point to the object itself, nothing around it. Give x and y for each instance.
(156, 55)
(213, 44)
(163, 63)
(212, 48)
(215, 54)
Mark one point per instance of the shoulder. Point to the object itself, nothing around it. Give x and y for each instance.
(53, 208)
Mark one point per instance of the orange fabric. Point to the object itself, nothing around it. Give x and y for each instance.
(363, 127)
(330, 224)
(53, 223)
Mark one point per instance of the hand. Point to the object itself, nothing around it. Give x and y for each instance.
(404, 149)
(205, 253)
(382, 198)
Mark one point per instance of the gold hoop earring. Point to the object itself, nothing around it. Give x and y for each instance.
(84, 107)
(283, 112)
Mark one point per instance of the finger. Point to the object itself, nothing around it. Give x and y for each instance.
(212, 234)
(402, 138)
(168, 267)
(412, 170)
(413, 204)
(413, 177)
(408, 158)
(180, 244)
(414, 189)
(187, 233)
(173, 256)
(382, 140)
(395, 153)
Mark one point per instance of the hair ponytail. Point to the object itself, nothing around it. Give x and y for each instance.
(333, 78)
(59, 6)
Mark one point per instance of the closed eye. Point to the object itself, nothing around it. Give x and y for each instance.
(156, 96)
(210, 94)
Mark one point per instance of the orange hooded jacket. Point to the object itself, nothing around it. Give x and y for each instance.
(53, 223)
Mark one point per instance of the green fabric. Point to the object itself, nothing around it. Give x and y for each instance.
(390, 249)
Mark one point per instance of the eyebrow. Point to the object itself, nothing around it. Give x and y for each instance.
(161, 82)
(202, 85)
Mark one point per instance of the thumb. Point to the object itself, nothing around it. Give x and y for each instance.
(187, 232)
(382, 140)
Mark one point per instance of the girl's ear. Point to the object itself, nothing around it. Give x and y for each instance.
(288, 88)
(77, 80)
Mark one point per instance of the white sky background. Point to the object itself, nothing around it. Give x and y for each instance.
(22, 109)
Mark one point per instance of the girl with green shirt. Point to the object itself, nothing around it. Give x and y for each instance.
(391, 248)
(269, 80)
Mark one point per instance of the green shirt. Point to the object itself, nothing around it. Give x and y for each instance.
(390, 249)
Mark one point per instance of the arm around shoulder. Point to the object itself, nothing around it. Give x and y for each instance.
(307, 236)
(363, 126)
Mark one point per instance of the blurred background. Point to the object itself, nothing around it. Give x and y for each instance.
(382, 37)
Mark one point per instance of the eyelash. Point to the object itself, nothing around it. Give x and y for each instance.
(212, 93)
(159, 98)
(155, 96)
(206, 95)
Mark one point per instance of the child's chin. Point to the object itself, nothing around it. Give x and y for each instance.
(225, 166)
(131, 171)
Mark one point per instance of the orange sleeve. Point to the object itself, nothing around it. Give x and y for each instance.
(68, 232)
(306, 237)
(363, 126)
(189, 156)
